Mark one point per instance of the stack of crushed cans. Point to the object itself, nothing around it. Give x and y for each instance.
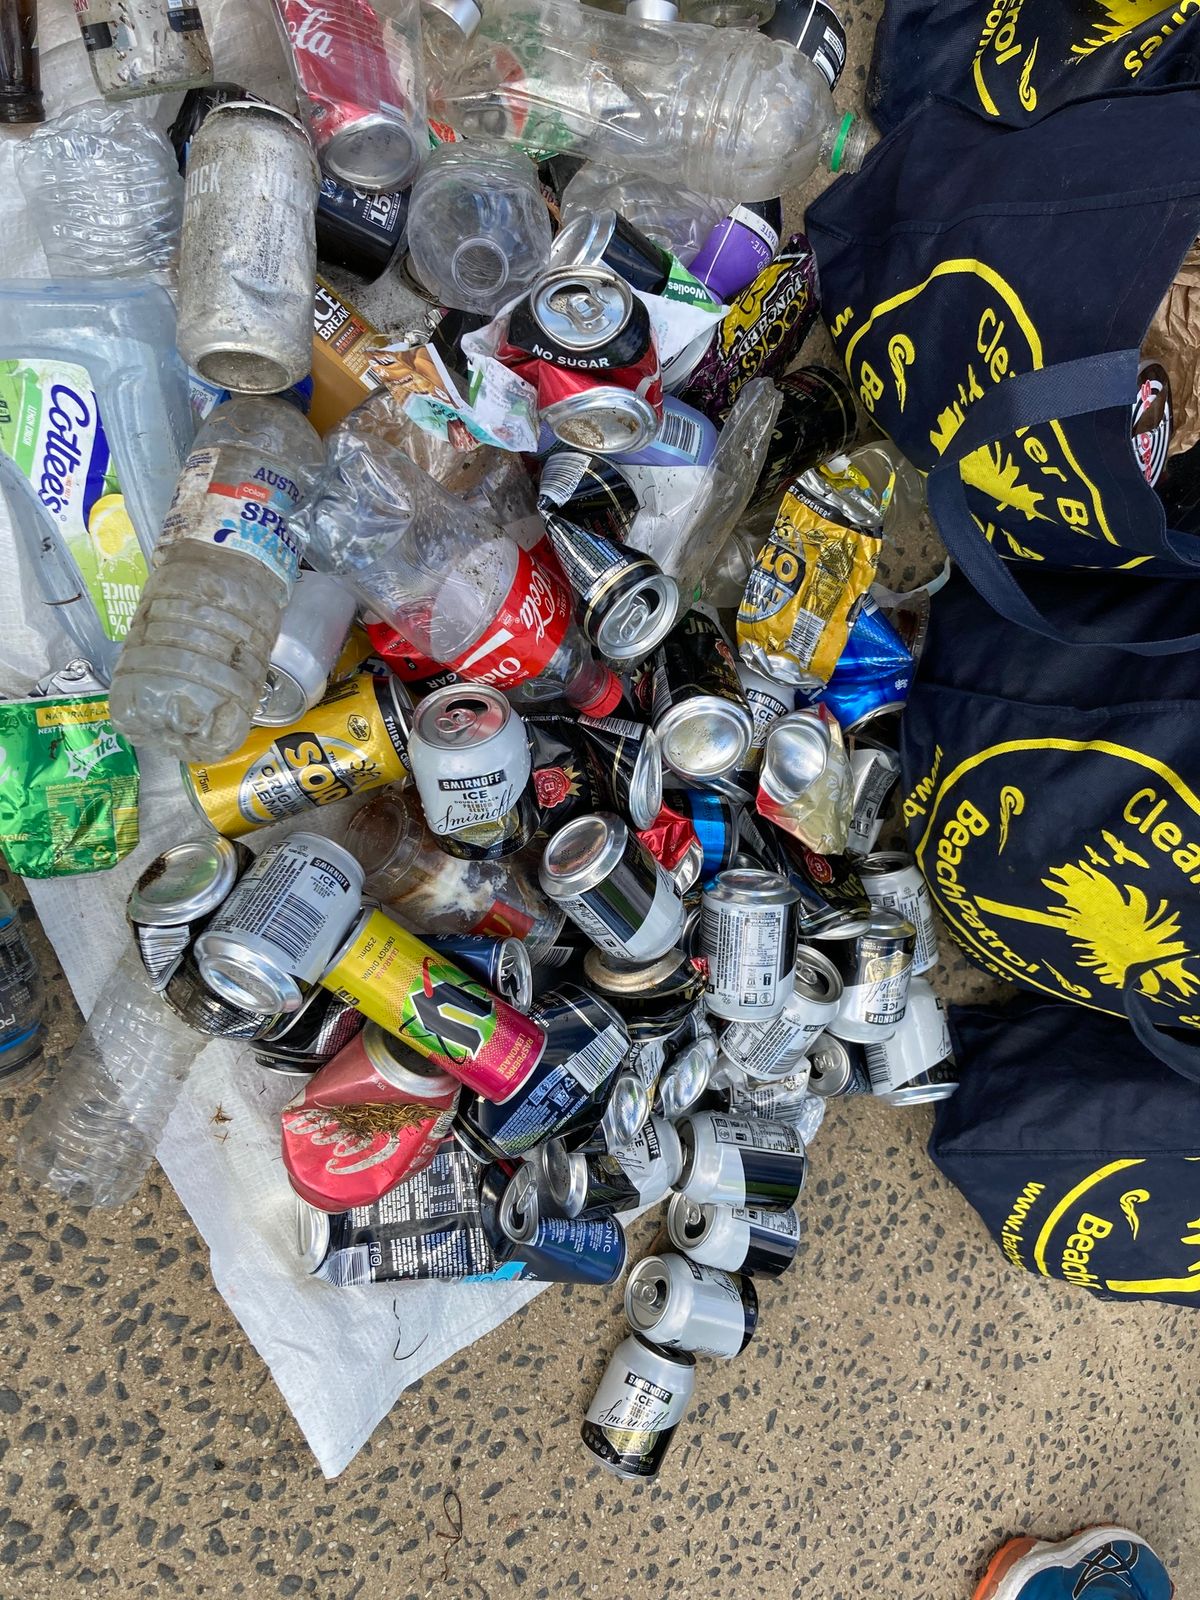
(587, 913)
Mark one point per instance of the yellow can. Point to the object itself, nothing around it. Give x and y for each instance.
(355, 739)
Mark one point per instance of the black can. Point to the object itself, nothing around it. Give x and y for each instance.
(606, 238)
(306, 1039)
(815, 30)
(540, 1249)
(590, 491)
(626, 760)
(553, 324)
(565, 782)
(739, 1161)
(816, 420)
(587, 1183)
(626, 603)
(874, 959)
(696, 702)
(830, 887)
(653, 997)
(838, 1067)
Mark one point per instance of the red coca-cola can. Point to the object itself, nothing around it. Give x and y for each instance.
(583, 339)
(371, 1118)
(360, 89)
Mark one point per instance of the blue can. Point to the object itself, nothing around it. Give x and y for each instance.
(685, 438)
(873, 675)
(535, 1248)
(715, 819)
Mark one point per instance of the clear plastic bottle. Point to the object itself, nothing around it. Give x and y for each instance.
(444, 575)
(447, 26)
(667, 213)
(144, 46)
(104, 191)
(92, 367)
(22, 998)
(191, 675)
(93, 1136)
(431, 892)
(723, 110)
(478, 227)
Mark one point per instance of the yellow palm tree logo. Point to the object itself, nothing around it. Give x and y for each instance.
(1114, 930)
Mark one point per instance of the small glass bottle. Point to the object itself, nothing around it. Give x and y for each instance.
(144, 46)
(20, 72)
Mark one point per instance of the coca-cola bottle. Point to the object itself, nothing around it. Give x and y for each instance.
(443, 574)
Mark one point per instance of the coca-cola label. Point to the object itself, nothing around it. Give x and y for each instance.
(335, 1168)
(525, 633)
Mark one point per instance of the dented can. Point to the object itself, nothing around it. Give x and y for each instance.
(873, 956)
(778, 1048)
(894, 880)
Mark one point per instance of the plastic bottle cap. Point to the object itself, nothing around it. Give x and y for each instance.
(839, 144)
(607, 698)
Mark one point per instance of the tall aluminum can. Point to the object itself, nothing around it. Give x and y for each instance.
(248, 257)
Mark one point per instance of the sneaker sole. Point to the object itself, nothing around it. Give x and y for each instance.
(1021, 1559)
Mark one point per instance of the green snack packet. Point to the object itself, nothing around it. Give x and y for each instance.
(68, 787)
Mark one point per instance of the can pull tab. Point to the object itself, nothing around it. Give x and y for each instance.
(582, 308)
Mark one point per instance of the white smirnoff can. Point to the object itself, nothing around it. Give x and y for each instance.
(470, 760)
(916, 1065)
(894, 880)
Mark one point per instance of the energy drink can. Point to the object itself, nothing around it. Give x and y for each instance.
(816, 420)
(874, 771)
(776, 1049)
(627, 605)
(248, 253)
(747, 939)
(470, 760)
(695, 702)
(744, 1239)
(612, 888)
(546, 1249)
(873, 956)
(276, 932)
(355, 739)
(312, 635)
(894, 880)
(178, 891)
(501, 965)
(738, 1161)
(629, 761)
(653, 997)
(916, 1065)
(737, 249)
(642, 1398)
(435, 1007)
(586, 1183)
(837, 1067)
(681, 1305)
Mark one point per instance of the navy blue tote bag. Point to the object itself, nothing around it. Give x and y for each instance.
(1014, 61)
(989, 290)
(1080, 1153)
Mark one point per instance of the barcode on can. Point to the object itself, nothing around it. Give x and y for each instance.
(293, 926)
(805, 636)
(878, 1068)
(593, 1064)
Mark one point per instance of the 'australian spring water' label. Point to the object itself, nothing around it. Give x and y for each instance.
(51, 429)
(244, 510)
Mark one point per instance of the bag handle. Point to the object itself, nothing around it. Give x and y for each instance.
(1068, 389)
(1175, 1053)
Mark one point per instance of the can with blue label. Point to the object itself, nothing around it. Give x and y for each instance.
(540, 1249)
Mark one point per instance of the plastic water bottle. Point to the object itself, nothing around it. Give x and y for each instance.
(22, 999)
(103, 188)
(144, 46)
(93, 1136)
(722, 110)
(192, 672)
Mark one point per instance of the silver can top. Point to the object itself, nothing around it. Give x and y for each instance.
(248, 979)
(581, 308)
(403, 1068)
(888, 924)
(817, 979)
(375, 152)
(639, 622)
(686, 1079)
(705, 737)
(516, 973)
(464, 14)
(830, 1067)
(582, 855)
(185, 883)
(312, 1235)
(462, 716)
(751, 886)
(795, 754)
(627, 1111)
(190, 998)
(882, 863)
(518, 1210)
(583, 241)
(604, 420)
(283, 701)
(688, 1223)
(647, 1294)
(646, 784)
(847, 927)
(566, 1176)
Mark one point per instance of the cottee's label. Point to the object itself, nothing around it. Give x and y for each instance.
(436, 1008)
(52, 431)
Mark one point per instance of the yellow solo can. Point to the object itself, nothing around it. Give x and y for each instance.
(355, 739)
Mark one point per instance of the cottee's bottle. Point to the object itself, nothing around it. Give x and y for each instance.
(724, 110)
(192, 672)
(447, 578)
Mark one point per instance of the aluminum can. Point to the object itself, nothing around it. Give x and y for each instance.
(501, 965)
(190, 998)
(276, 932)
(312, 635)
(695, 703)
(355, 739)
(590, 491)
(627, 604)
(1152, 420)
(606, 239)
(178, 891)
(875, 771)
(777, 1049)
(545, 1249)
(894, 880)
(370, 1119)
(814, 28)
(768, 701)
(565, 1095)
(671, 840)
(680, 1305)
(738, 1161)
(434, 1006)
(873, 956)
(837, 1067)
(306, 1039)
(612, 888)
(775, 1100)
(248, 255)
(653, 997)
(589, 1183)
(744, 1239)
(873, 675)
(685, 1077)
(685, 438)
(642, 1398)
(738, 247)
(626, 1113)
(361, 88)
(916, 1065)
(716, 821)
(470, 759)
(747, 938)
(817, 420)
(629, 762)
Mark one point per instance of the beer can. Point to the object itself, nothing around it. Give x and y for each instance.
(434, 1006)
(173, 897)
(301, 1042)
(629, 761)
(276, 932)
(816, 420)
(696, 705)
(874, 771)
(742, 1239)
(360, 232)
(612, 888)
(585, 1183)
(501, 965)
(873, 956)
(680, 1305)
(543, 1249)
(248, 253)
(371, 1118)
(894, 880)
(470, 761)
(746, 937)
(627, 605)
(837, 1067)
(653, 997)
(355, 739)
(916, 1065)
(642, 1398)
(738, 1161)
(604, 238)
(312, 635)
(190, 998)
(566, 1093)
(778, 1048)
(590, 491)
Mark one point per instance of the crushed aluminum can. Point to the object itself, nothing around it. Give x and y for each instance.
(176, 894)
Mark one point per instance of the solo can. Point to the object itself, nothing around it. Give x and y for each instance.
(612, 888)
(734, 1238)
(746, 937)
(677, 1303)
(642, 1398)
